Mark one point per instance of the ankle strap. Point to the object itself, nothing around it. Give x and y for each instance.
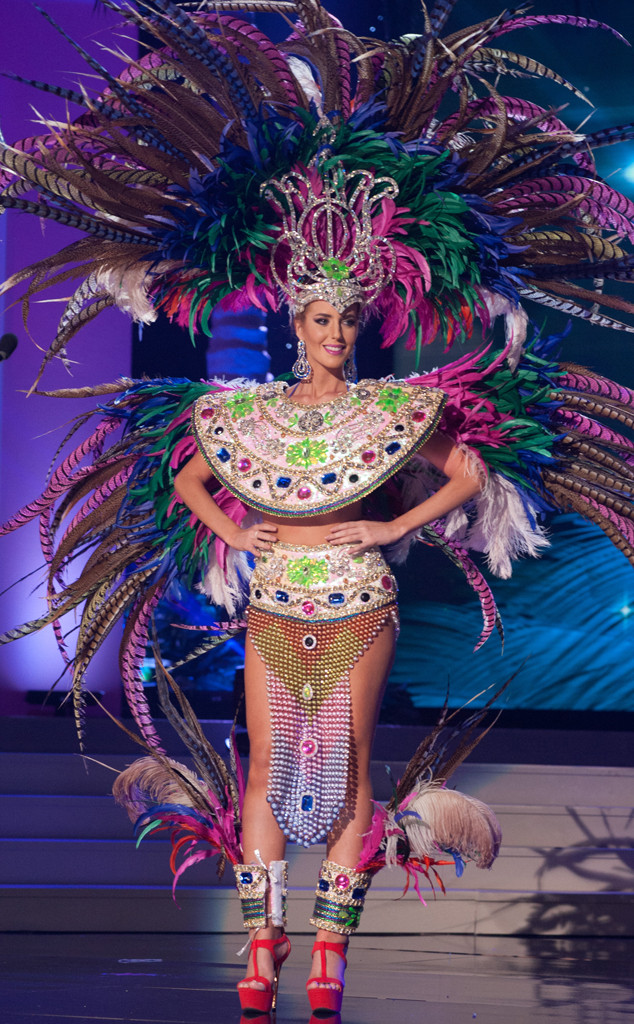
(270, 944)
(336, 947)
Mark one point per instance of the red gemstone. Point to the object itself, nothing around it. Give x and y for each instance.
(304, 492)
(368, 457)
(342, 881)
(207, 413)
(419, 415)
(308, 748)
(308, 608)
(386, 582)
(244, 465)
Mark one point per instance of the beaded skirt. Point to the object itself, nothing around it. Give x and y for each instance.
(313, 613)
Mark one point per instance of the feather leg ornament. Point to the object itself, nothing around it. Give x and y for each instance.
(425, 822)
(162, 795)
(202, 809)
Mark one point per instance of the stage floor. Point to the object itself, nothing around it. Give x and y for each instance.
(190, 979)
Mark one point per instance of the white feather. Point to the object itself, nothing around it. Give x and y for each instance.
(502, 528)
(129, 289)
(500, 525)
(230, 589)
(440, 820)
(515, 322)
(302, 73)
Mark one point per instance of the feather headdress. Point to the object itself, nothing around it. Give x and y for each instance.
(168, 175)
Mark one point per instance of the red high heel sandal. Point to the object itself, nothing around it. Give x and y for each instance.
(256, 1001)
(325, 1002)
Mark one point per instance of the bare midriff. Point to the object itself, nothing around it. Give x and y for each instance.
(311, 530)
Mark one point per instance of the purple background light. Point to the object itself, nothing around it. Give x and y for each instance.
(30, 46)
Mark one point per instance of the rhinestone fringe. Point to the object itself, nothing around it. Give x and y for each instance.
(308, 681)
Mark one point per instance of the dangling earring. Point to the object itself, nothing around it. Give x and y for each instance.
(350, 369)
(301, 367)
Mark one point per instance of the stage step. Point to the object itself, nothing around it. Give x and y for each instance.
(29, 816)
(68, 860)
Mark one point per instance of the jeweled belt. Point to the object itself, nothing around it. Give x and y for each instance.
(321, 582)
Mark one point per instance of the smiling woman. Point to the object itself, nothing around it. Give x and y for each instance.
(322, 595)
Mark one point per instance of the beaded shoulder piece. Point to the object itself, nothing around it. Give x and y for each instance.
(296, 460)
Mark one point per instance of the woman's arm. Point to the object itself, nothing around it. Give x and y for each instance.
(190, 485)
(462, 484)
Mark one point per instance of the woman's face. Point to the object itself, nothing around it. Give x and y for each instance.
(329, 336)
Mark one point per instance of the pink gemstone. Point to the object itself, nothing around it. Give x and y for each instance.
(308, 608)
(304, 492)
(368, 457)
(308, 748)
(419, 415)
(207, 413)
(342, 881)
(244, 465)
(386, 582)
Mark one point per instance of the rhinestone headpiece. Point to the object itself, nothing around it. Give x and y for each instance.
(327, 248)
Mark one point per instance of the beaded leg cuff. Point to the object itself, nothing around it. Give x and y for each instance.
(258, 885)
(252, 884)
(339, 898)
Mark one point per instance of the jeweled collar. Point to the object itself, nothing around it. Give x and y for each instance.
(294, 459)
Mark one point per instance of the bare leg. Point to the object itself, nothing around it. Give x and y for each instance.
(367, 685)
(260, 830)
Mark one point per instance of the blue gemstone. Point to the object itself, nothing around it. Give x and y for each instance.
(283, 481)
(246, 877)
(393, 448)
(358, 894)
(324, 886)
(281, 595)
(223, 454)
(337, 598)
(329, 478)
(307, 802)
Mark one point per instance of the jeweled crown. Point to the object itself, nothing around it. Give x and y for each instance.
(327, 247)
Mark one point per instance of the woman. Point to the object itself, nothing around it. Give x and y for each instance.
(328, 337)
(332, 173)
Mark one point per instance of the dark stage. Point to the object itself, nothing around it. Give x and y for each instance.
(190, 979)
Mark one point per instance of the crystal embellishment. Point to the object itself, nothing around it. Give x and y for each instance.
(308, 747)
